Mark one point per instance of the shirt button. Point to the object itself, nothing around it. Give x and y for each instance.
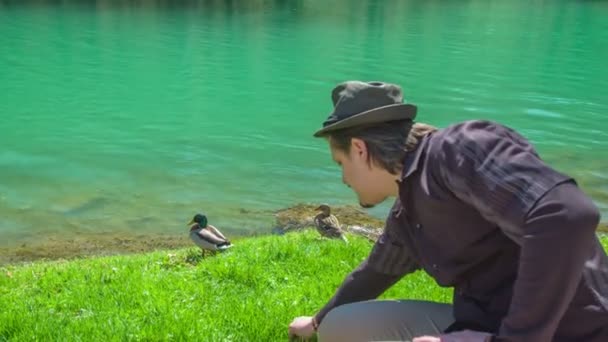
(435, 266)
(418, 226)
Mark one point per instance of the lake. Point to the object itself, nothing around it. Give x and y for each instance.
(128, 117)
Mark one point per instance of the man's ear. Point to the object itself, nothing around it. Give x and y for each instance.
(358, 148)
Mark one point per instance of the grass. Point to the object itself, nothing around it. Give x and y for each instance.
(249, 293)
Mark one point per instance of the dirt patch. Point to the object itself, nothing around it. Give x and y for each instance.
(59, 247)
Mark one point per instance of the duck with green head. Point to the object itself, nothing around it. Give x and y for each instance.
(206, 236)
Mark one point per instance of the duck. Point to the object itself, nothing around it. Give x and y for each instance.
(206, 236)
(328, 225)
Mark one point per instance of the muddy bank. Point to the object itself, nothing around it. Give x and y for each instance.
(295, 218)
(80, 244)
(353, 220)
(61, 247)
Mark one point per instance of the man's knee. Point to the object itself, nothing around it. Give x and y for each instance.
(334, 325)
(358, 321)
(384, 320)
(328, 328)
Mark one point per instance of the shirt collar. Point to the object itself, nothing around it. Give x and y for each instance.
(412, 158)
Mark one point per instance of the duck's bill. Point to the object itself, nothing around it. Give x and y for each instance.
(191, 222)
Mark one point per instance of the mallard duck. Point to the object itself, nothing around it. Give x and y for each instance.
(206, 236)
(328, 224)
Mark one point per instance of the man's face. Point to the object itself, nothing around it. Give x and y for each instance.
(358, 174)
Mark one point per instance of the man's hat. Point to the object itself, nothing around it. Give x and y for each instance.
(358, 103)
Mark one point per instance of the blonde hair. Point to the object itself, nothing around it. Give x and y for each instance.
(416, 133)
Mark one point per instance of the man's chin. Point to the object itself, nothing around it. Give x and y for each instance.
(366, 205)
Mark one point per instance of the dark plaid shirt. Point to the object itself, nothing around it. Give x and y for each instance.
(479, 211)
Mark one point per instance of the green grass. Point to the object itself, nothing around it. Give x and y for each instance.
(249, 293)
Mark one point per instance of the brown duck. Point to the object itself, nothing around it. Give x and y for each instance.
(328, 224)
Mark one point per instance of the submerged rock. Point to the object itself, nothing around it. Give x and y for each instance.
(352, 219)
(90, 205)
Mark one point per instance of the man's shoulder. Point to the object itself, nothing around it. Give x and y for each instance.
(477, 132)
(478, 125)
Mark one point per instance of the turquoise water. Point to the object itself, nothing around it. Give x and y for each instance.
(132, 116)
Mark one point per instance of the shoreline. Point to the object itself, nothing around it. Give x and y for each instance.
(105, 244)
(85, 246)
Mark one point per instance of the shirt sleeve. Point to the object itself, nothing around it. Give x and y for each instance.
(388, 262)
(496, 171)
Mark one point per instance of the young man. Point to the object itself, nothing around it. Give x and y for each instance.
(479, 211)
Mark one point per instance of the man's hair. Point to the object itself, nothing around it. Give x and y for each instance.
(387, 143)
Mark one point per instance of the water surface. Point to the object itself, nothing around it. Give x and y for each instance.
(128, 117)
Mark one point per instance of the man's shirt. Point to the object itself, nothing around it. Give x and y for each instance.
(479, 211)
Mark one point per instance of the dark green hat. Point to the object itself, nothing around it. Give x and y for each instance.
(359, 103)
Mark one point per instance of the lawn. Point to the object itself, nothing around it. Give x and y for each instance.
(249, 293)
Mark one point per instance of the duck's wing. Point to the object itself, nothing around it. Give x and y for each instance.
(217, 232)
(210, 236)
(331, 226)
(205, 239)
(334, 222)
(202, 243)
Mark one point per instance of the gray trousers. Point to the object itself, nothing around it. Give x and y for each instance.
(385, 320)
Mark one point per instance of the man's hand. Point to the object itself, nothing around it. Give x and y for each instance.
(459, 336)
(301, 327)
